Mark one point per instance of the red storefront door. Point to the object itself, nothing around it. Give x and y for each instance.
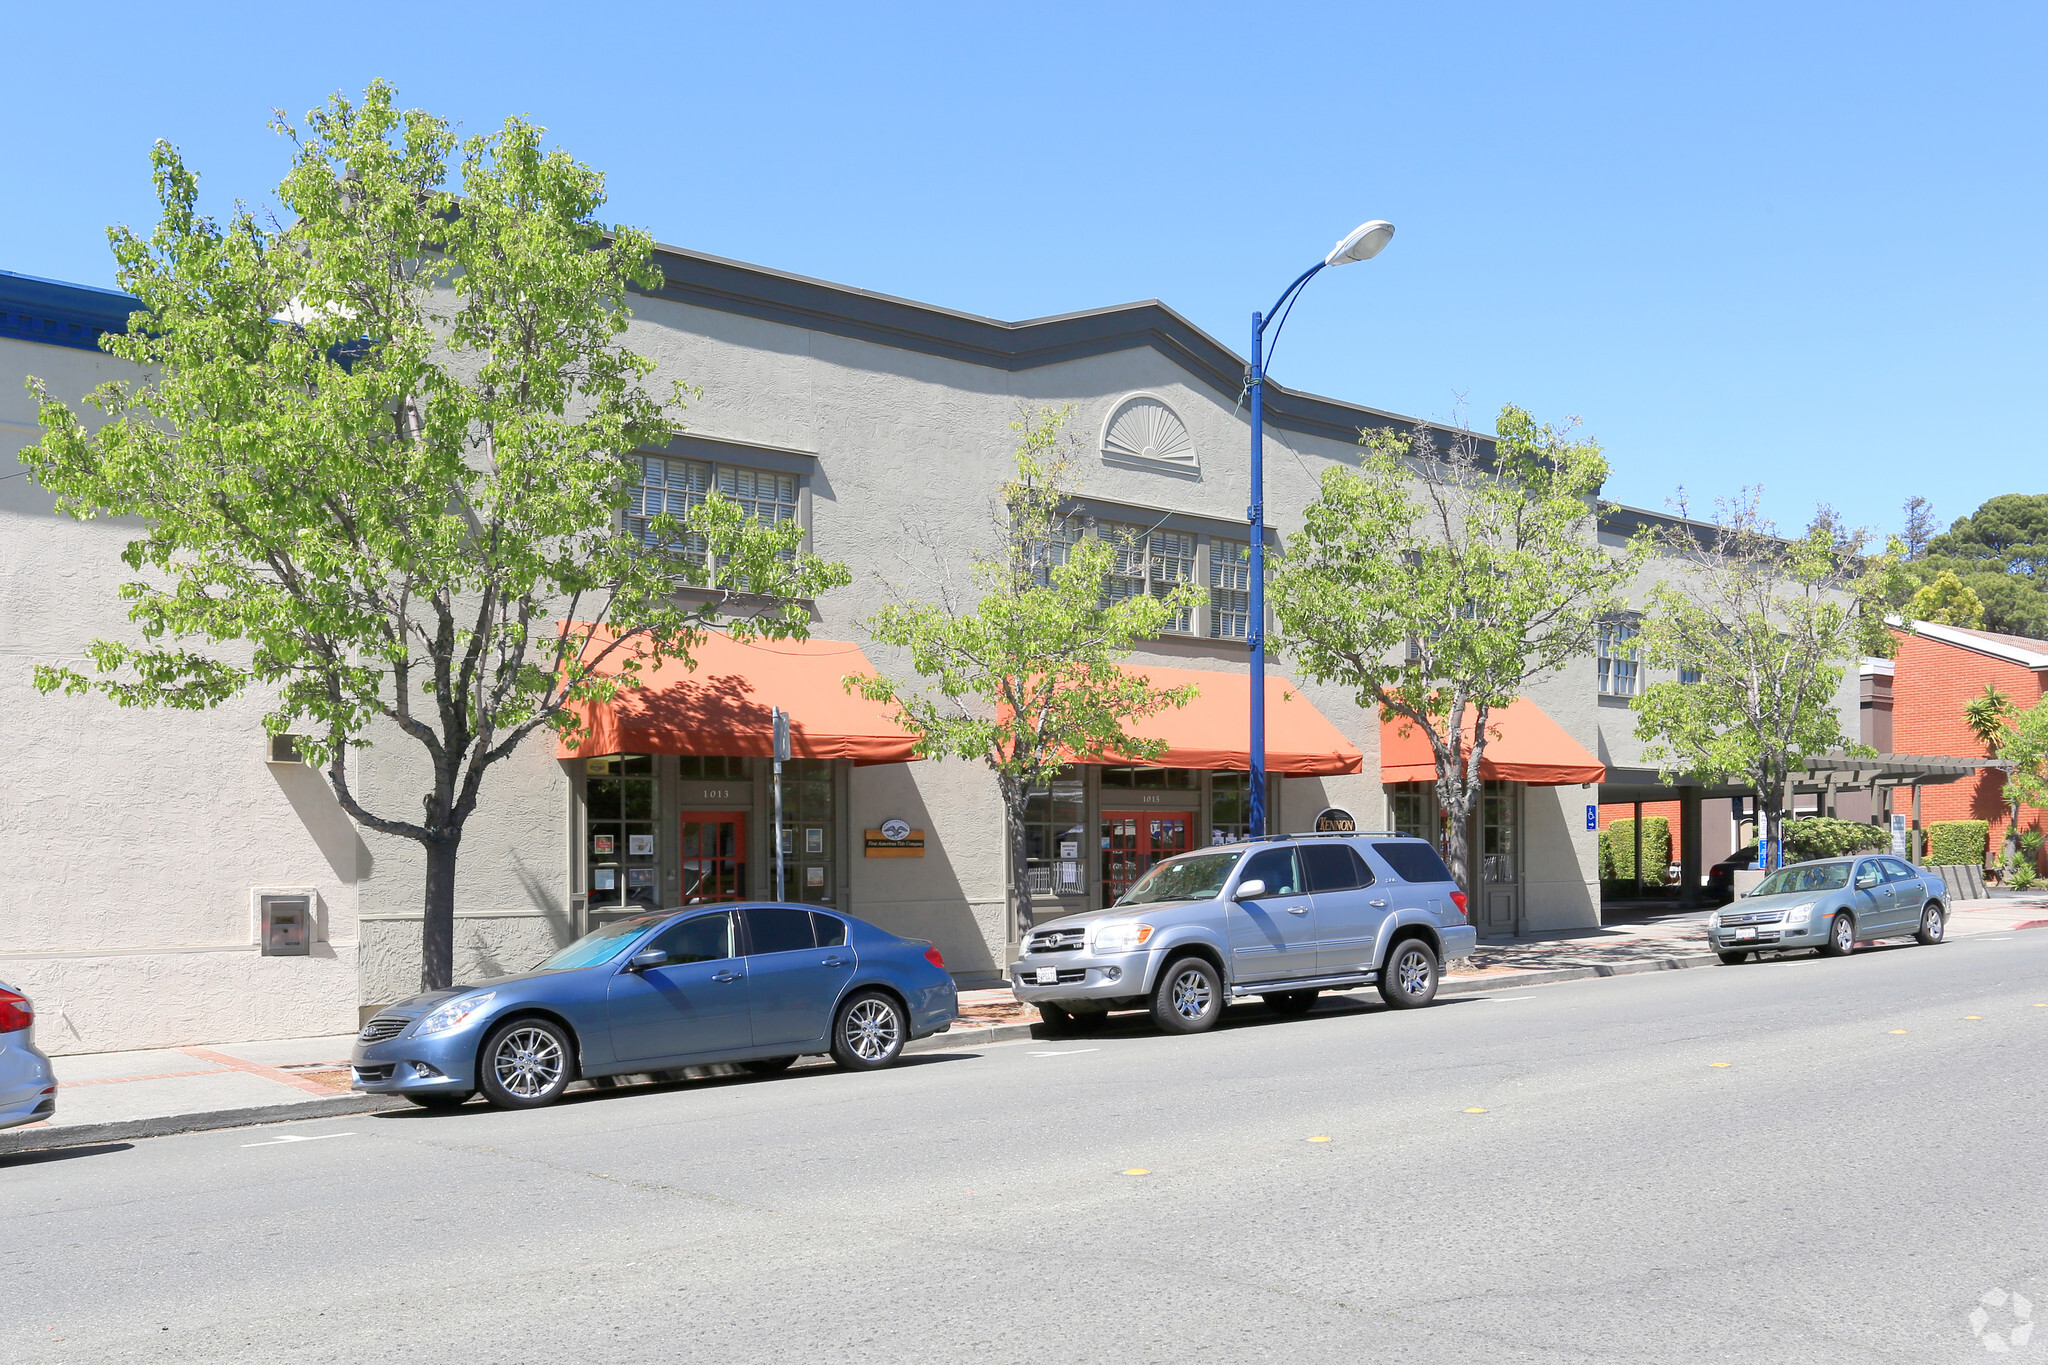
(1133, 840)
(714, 856)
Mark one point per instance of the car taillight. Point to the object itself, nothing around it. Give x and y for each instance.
(15, 1011)
(1458, 899)
(932, 956)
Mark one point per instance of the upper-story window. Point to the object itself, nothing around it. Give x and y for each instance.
(1615, 657)
(1688, 676)
(1230, 589)
(667, 483)
(1149, 561)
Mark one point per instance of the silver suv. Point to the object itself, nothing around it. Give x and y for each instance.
(1283, 919)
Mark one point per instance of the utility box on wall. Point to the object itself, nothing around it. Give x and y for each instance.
(286, 925)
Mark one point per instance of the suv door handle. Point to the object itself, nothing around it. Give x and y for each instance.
(725, 976)
(1297, 909)
(1381, 904)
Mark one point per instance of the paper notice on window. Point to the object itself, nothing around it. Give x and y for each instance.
(601, 879)
(639, 845)
(600, 843)
(1070, 872)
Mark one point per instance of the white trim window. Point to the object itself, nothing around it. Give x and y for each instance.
(1148, 560)
(667, 483)
(1230, 589)
(1615, 659)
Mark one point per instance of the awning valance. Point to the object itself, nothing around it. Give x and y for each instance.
(1522, 745)
(724, 706)
(1214, 729)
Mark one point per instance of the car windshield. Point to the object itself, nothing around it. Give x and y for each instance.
(600, 945)
(1193, 877)
(1819, 877)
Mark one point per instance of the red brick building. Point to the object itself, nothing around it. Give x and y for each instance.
(1937, 671)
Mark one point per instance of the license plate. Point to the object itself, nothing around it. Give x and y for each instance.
(1048, 976)
(1745, 933)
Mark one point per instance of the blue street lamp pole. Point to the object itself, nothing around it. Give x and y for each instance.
(1363, 244)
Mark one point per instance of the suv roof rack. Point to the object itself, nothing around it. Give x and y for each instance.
(1336, 834)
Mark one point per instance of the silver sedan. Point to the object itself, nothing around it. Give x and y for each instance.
(28, 1088)
(1832, 905)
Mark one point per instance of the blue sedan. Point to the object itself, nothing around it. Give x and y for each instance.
(759, 985)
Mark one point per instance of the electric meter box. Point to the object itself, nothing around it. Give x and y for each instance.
(287, 925)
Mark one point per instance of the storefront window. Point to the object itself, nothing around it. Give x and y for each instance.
(1053, 832)
(1414, 807)
(622, 865)
(1230, 807)
(713, 766)
(1497, 834)
(808, 842)
(1151, 779)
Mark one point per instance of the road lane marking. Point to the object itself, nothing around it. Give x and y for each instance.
(1319, 1138)
(1075, 1052)
(1898, 1030)
(1475, 1110)
(1973, 1016)
(290, 1137)
(1137, 1170)
(1720, 1064)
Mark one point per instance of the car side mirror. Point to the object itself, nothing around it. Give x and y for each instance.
(1250, 891)
(651, 957)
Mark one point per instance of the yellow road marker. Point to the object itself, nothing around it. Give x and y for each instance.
(1898, 1030)
(1475, 1110)
(1973, 1016)
(1720, 1063)
(1318, 1138)
(1137, 1170)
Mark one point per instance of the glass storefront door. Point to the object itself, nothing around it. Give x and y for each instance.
(1133, 840)
(714, 856)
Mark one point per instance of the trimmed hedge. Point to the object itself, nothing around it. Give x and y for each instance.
(1820, 837)
(1618, 851)
(1951, 843)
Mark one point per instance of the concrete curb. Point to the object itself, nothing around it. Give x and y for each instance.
(1515, 977)
(972, 1035)
(124, 1130)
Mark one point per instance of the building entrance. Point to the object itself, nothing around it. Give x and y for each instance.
(1133, 840)
(714, 856)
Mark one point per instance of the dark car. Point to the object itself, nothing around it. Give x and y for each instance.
(759, 985)
(1721, 876)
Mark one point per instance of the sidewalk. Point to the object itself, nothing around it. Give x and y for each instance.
(110, 1096)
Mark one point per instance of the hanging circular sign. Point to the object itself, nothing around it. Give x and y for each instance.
(896, 830)
(1335, 820)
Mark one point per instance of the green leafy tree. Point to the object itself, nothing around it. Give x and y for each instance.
(1947, 601)
(376, 455)
(1442, 575)
(2024, 746)
(1769, 626)
(1989, 715)
(1920, 526)
(1999, 552)
(1025, 677)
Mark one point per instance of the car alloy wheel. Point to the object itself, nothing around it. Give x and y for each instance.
(528, 1062)
(1410, 978)
(1190, 994)
(1931, 926)
(1841, 936)
(870, 1032)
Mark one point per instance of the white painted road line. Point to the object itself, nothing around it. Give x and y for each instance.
(289, 1137)
(1073, 1053)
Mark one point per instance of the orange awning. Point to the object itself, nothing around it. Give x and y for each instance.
(1522, 745)
(724, 705)
(1214, 730)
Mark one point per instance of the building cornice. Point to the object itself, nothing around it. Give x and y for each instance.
(54, 313)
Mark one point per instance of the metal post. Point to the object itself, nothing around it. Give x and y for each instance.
(781, 753)
(1255, 627)
(1919, 848)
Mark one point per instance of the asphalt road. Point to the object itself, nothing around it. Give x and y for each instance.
(1840, 1190)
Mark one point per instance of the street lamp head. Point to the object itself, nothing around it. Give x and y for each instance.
(1366, 241)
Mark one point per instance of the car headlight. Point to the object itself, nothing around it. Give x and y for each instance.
(1121, 938)
(1714, 920)
(1799, 916)
(454, 1014)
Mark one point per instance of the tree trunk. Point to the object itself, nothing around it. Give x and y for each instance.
(437, 925)
(1458, 838)
(1022, 911)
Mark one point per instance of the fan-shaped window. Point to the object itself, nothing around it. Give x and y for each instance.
(1141, 429)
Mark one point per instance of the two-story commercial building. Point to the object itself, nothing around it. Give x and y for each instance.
(158, 859)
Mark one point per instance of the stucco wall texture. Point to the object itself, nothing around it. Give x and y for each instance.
(1931, 683)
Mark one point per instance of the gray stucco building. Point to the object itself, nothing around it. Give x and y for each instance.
(144, 844)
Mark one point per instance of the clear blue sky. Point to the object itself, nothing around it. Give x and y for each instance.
(1793, 245)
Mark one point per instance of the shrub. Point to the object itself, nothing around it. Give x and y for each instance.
(1820, 837)
(1618, 851)
(1956, 842)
